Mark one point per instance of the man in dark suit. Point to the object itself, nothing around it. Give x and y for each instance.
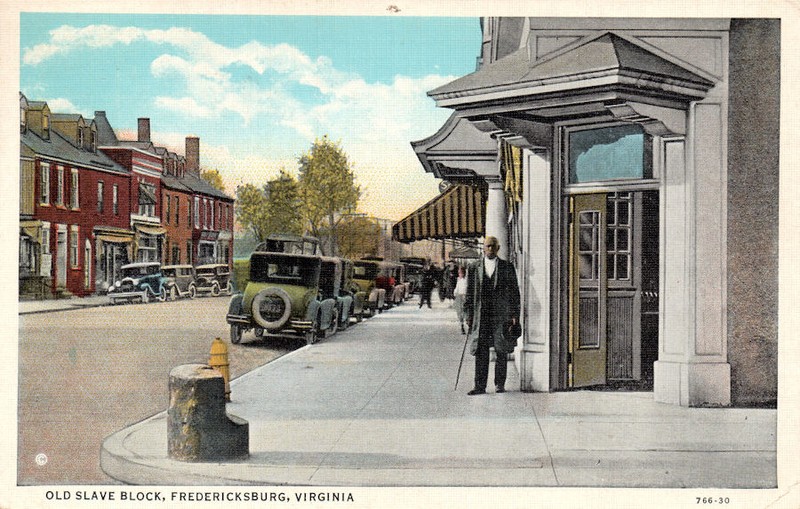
(491, 307)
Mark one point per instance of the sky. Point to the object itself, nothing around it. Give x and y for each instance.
(258, 90)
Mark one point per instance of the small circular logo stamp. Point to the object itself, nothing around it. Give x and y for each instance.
(41, 459)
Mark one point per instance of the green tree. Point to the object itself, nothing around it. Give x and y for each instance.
(214, 178)
(252, 210)
(273, 208)
(358, 236)
(283, 205)
(327, 189)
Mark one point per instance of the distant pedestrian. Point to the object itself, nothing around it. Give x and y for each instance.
(492, 306)
(428, 280)
(460, 296)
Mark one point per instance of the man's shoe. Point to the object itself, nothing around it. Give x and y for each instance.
(500, 390)
(475, 392)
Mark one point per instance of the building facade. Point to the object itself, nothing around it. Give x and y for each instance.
(631, 166)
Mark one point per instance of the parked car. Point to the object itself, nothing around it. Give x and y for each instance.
(214, 278)
(141, 281)
(365, 274)
(414, 267)
(348, 291)
(284, 293)
(289, 243)
(179, 281)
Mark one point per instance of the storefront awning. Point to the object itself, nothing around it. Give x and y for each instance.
(31, 229)
(457, 213)
(150, 230)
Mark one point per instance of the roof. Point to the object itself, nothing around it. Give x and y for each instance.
(603, 54)
(173, 182)
(105, 133)
(198, 185)
(58, 147)
(140, 264)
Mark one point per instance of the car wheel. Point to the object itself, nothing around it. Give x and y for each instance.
(236, 334)
(192, 291)
(229, 288)
(215, 289)
(162, 294)
(271, 308)
(173, 293)
(259, 332)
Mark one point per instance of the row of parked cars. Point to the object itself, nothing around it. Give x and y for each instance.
(148, 281)
(311, 295)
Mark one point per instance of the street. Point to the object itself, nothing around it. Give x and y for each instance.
(86, 373)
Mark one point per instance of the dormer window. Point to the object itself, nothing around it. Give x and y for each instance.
(46, 126)
(80, 139)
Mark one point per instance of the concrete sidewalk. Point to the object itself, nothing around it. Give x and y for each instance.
(374, 406)
(49, 305)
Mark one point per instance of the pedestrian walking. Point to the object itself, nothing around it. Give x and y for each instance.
(428, 280)
(460, 296)
(492, 306)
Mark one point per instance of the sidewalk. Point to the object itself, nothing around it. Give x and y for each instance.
(27, 307)
(374, 406)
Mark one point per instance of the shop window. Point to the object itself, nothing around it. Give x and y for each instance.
(610, 153)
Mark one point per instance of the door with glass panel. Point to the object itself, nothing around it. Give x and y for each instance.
(613, 287)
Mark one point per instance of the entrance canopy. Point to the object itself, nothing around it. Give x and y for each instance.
(457, 213)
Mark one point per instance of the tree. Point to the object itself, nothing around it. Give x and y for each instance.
(283, 205)
(251, 210)
(358, 236)
(327, 189)
(274, 208)
(214, 178)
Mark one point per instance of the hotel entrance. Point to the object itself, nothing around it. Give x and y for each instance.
(613, 289)
(611, 247)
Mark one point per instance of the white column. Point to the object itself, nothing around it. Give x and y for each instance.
(534, 271)
(496, 215)
(692, 367)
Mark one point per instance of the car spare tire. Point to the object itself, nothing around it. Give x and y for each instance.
(271, 308)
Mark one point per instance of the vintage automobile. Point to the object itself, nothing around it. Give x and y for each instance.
(288, 243)
(284, 293)
(414, 267)
(352, 301)
(365, 273)
(401, 289)
(214, 278)
(179, 281)
(141, 281)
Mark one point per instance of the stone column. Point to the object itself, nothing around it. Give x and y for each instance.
(534, 273)
(496, 214)
(692, 367)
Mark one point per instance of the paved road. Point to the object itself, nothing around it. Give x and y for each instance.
(86, 373)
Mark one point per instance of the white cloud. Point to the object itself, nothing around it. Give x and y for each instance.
(61, 105)
(375, 121)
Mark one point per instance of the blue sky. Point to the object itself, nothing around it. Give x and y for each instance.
(257, 90)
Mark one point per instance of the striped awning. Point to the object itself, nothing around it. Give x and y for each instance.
(457, 213)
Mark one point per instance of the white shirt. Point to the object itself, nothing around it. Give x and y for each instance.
(489, 265)
(461, 286)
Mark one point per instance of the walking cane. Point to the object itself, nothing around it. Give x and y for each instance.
(466, 340)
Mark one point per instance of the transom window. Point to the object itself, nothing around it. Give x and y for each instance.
(609, 153)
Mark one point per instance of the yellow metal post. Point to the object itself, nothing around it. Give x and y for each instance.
(219, 361)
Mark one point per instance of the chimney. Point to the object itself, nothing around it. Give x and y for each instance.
(144, 129)
(192, 154)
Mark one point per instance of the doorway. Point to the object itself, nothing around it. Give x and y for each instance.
(612, 301)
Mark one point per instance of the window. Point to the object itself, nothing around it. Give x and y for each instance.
(166, 209)
(46, 239)
(189, 214)
(609, 153)
(87, 266)
(22, 119)
(80, 138)
(205, 214)
(211, 223)
(60, 185)
(189, 253)
(73, 246)
(46, 126)
(197, 212)
(100, 192)
(618, 236)
(115, 198)
(74, 202)
(44, 180)
(177, 211)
